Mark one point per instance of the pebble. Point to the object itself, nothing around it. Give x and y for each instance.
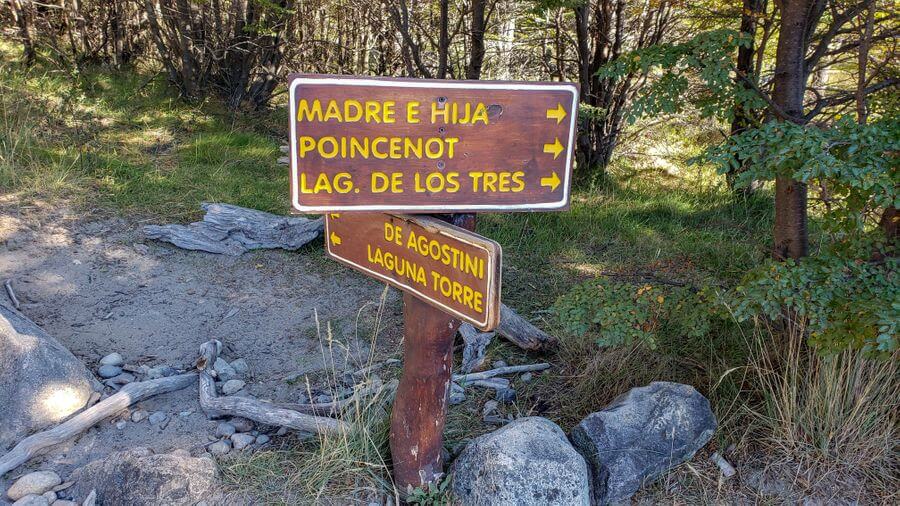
(457, 398)
(322, 399)
(109, 371)
(139, 416)
(121, 424)
(241, 441)
(63, 502)
(121, 379)
(63, 486)
(240, 366)
(32, 500)
(220, 447)
(161, 371)
(281, 431)
(232, 387)
(526, 377)
(35, 483)
(113, 359)
(262, 439)
(91, 499)
(241, 424)
(225, 429)
(505, 395)
(224, 369)
(50, 496)
(499, 363)
(187, 413)
(490, 407)
(158, 417)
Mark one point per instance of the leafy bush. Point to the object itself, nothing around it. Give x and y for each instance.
(623, 313)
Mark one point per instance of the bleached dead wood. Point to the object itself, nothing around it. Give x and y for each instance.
(12, 293)
(254, 409)
(500, 371)
(335, 407)
(522, 333)
(128, 395)
(475, 345)
(234, 230)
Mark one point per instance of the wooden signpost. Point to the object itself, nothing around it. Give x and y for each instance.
(430, 146)
(448, 267)
(363, 147)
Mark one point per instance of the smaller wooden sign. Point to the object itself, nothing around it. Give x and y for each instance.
(446, 266)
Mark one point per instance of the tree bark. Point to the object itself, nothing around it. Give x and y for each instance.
(476, 58)
(22, 19)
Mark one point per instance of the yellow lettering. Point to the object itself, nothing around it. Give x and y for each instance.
(305, 112)
(480, 114)
(357, 112)
(412, 112)
(333, 111)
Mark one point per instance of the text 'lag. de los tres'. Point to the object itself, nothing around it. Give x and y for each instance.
(427, 146)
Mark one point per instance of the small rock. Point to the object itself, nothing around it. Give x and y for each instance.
(139, 416)
(499, 363)
(220, 447)
(158, 417)
(505, 395)
(91, 499)
(109, 371)
(63, 502)
(35, 483)
(113, 359)
(232, 387)
(161, 371)
(322, 399)
(63, 486)
(225, 429)
(32, 500)
(262, 439)
(526, 377)
(240, 366)
(241, 424)
(490, 407)
(224, 370)
(50, 496)
(187, 413)
(281, 431)
(121, 424)
(121, 379)
(457, 398)
(241, 441)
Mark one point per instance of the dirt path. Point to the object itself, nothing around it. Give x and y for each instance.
(96, 286)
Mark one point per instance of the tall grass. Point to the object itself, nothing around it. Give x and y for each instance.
(830, 416)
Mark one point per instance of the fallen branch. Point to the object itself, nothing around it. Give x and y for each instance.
(259, 411)
(335, 407)
(233, 230)
(522, 333)
(12, 294)
(476, 345)
(469, 378)
(128, 395)
(495, 383)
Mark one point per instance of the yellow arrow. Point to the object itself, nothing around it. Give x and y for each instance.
(558, 114)
(335, 239)
(552, 181)
(555, 148)
(334, 216)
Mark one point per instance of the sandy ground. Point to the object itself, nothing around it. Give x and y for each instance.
(99, 287)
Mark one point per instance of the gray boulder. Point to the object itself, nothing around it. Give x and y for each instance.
(527, 462)
(641, 435)
(41, 382)
(137, 477)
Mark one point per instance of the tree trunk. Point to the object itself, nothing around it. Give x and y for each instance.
(22, 20)
(789, 86)
(476, 59)
(444, 41)
(865, 37)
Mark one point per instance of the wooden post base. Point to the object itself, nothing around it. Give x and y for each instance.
(420, 407)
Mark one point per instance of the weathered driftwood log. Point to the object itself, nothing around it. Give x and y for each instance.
(233, 230)
(12, 293)
(253, 409)
(469, 378)
(476, 344)
(335, 407)
(522, 333)
(128, 395)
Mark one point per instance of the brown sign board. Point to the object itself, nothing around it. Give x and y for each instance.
(430, 146)
(446, 266)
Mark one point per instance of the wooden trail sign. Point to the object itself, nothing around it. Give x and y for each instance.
(448, 267)
(430, 146)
